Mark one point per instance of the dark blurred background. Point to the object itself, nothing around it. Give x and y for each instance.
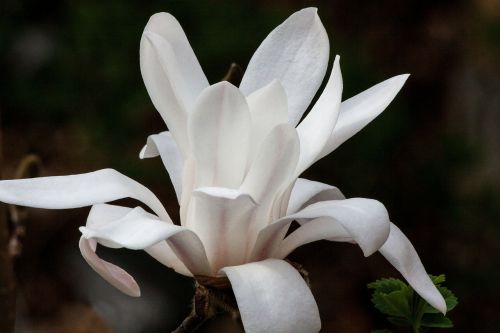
(71, 92)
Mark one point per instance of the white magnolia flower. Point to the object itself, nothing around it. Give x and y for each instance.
(234, 156)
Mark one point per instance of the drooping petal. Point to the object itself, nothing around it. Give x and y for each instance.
(273, 297)
(317, 127)
(358, 111)
(109, 272)
(219, 132)
(399, 251)
(268, 108)
(306, 192)
(140, 230)
(103, 214)
(86, 189)
(296, 54)
(193, 80)
(163, 144)
(221, 217)
(365, 220)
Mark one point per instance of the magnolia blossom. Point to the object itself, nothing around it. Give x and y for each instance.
(234, 155)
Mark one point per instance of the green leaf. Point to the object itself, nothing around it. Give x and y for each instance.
(438, 279)
(382, 331)
(404, 307)
(394, 303)
(387, 285)
(436, 320)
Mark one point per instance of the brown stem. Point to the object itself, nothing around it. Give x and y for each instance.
(7, 282)
(234, 74)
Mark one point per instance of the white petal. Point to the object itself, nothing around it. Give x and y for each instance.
(295, 53)
(268, 108)
(365, 220)
(140, 230)
(103, 214)
(111, 273)
(402, 255)
(193, 78)
(317, 127)
(358, 111)
(160, 72)
(270, 174)
(273, 297)
(75, 191)
(163, 144)
(219, 132)
(221, 217)
(274, 165)
(306, 192)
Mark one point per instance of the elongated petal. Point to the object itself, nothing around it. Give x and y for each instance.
(193, 79)
(219, 132)
(268, 108)
(306, 192)
(269, 175)
(274, 165)
(75, 191)
(365, 220)
(109, 272)
(402, 255)
(295, 53)
(317, 127)
(273, 297)
(163, 144)
(221, 217)
(358, 111)
(102, 214)
(140, 230)
(160, 72)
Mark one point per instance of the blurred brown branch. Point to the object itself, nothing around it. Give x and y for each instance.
(7, 282)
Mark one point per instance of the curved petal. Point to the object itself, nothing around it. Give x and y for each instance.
(109, 272)
(358, 111)
(317, 127)
(163, 144)
(86, 189)
(193, 79)
(365, 220)
(219, 132)
(139, 230)
(273, 297)
(268, 108)
(306, 192)
(103, 214)
(295, 53)
(221, 217)
(399, 251)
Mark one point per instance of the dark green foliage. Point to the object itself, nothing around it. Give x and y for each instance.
(406, 308)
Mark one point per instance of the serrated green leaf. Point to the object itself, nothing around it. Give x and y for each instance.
(388, 285)
(395, 303)
(382, 331)
(437, 279)
(436, 320)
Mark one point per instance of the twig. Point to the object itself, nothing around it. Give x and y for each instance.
(7, 282)
(234, 74)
